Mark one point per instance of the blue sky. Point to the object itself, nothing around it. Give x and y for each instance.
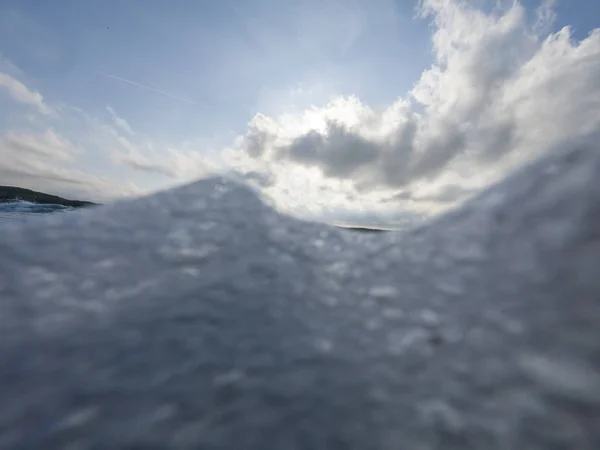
(232, 58)
(143, 95)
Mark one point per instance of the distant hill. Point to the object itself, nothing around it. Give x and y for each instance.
(11, 193)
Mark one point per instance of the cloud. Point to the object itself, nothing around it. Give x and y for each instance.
(119, 121)
(22, 94)
(178, 164)
(42, 161)
(502, 91)
(134, 158)
(48, 145)
(65, 152)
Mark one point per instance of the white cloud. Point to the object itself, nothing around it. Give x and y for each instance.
(501, 91)
(135, 159)
(22, 94)
(39, 156)
(545, 16)
(42, 161)
(119, 121)
(48, 144)
(178, 164)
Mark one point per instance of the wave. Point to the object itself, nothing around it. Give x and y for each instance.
(23, 207)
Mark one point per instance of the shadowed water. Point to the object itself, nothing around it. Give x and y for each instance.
(19, 211)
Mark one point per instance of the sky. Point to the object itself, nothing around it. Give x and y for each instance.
(346, 111)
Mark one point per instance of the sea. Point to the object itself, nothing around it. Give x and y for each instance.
(20, 211)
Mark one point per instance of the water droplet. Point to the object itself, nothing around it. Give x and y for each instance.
(330, 301)
(164, 412)
(231, 377)
(471, 251)
(373, 324)
(449, 287)
(563, 377)
(440, 414)
(191, 271)
(190, 254)
(41, 274)
(88, 285)
(399, 342)
(369, 303)
(337, 268)
(218, 191)
(78, 418)
(384, 292)
(323, 345)
(207, 226)
(451, 335)
(429, 317)
(380, 265)
(392, 313)
(507, 323)
(106, 264)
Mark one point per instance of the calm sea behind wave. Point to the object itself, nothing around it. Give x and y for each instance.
(20, 211)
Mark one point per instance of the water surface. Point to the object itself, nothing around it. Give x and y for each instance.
(16, 211)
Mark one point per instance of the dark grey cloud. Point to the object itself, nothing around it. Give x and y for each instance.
(338, 152)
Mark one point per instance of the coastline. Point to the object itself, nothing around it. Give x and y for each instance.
(12, 193)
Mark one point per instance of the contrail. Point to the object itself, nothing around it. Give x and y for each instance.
(151, 89)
